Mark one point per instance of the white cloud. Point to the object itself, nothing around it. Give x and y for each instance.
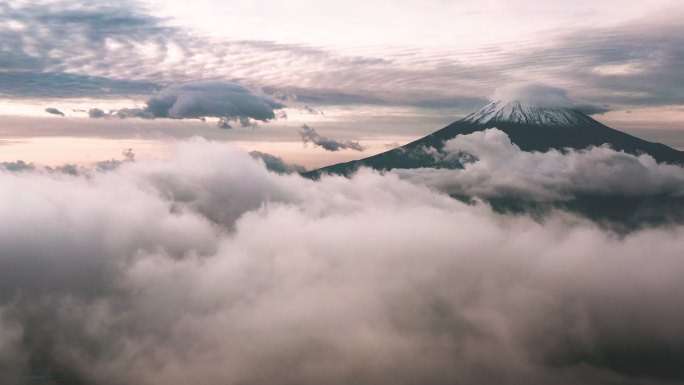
(501, 169)
(534, 93)
(206, 268)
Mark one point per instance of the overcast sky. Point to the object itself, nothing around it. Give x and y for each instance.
(376, 70)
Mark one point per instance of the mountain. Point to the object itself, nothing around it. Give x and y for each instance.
(534, 127)
(531, 127)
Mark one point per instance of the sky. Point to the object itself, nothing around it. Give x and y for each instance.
(156, 229)
(378, 73)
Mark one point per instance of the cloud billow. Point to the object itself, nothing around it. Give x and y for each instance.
(224, 100)
(212, 99)
(207, 268)
(495, 167)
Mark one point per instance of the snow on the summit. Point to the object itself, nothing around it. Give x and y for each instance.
(526, 113)
(530, 103)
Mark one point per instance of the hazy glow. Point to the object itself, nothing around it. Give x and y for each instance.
(58, 151)
(668, 117)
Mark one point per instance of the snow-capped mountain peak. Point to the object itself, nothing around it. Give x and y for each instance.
(533, 120)
(527, 113)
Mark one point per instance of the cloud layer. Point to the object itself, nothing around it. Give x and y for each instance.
(207, 268)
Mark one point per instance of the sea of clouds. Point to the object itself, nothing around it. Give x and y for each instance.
(207, 268)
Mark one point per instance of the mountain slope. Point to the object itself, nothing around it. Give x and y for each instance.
(530, 127)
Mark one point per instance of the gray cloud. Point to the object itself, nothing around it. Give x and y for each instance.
(22, 84)
(50, 29)
(312, 111)
(277, 164)
(208, 268)
(224, 124)
(95, 113)
(43, 54)
(54, 111)
(630, 64)
(129, 30)
(310, 135)
(94, 50)
(141, 113)
(215, 99)
(224, 100)
(17, 166)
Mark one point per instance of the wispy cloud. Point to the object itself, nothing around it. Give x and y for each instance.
(310, 135)
(54, 111)
(277, 164)
(224, 100)
(32, 84)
